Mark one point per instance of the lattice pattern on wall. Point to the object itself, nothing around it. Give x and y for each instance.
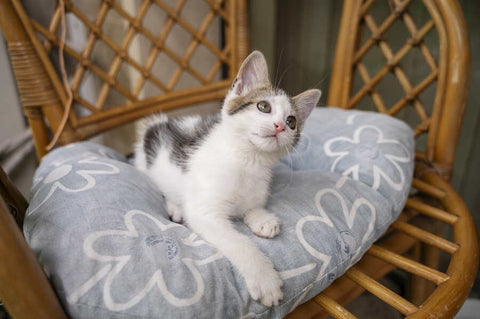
(152, 47)
(393, 65)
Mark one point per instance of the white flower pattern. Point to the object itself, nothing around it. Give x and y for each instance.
(353, 150)
(116, 262)
(63, 170)
(349, 216)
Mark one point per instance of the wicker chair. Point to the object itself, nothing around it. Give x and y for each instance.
(412, 244)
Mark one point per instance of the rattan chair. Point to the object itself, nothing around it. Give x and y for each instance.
(413, 243)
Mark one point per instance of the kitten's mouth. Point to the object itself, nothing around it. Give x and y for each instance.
(266, 136)
(270, 142)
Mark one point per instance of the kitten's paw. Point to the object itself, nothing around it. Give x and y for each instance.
(174, 211)
(262, 223)
(265, 286)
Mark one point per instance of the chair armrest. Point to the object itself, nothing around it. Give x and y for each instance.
(24, 288)
(14, 200)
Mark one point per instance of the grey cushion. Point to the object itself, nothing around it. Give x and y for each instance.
(100, 230)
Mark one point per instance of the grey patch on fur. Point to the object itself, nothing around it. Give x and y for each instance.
(300, 124)
(152, 140)
(296, 138)
(240, 108)
(181, 140)
(249, 100)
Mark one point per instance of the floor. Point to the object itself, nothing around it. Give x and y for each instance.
(369, 306)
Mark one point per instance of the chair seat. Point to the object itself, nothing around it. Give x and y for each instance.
(98, 226)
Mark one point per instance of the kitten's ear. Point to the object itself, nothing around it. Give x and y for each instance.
(253, 73)
(305, 102)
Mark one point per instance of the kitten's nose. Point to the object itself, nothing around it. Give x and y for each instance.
(279, 127)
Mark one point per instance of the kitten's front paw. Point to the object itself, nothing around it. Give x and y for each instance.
(262, 223)
(265, 286)
(174, 211)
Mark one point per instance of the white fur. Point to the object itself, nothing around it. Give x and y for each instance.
(229, 176)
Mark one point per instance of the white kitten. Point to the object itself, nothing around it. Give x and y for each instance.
(214, 168)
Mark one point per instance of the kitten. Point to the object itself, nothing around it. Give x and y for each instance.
(214, 168)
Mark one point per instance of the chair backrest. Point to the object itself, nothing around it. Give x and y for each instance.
(418, 46)
(120, 70)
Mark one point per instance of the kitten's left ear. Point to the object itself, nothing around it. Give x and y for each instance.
(305, 102)
(253, 73)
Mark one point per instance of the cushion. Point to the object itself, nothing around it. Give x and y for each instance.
(99, 228)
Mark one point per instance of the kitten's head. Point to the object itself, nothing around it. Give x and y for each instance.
(267, 116)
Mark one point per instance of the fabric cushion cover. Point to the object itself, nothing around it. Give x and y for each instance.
(99, 228)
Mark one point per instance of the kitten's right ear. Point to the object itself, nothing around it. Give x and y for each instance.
(305, 103)
(253, 73)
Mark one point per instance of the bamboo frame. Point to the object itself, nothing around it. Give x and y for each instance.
(441, 125)
(24, 288)
(44, 97)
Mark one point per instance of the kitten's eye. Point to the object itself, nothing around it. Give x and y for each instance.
(264, 106)
(291, 122)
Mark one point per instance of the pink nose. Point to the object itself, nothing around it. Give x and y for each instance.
(279, 127)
